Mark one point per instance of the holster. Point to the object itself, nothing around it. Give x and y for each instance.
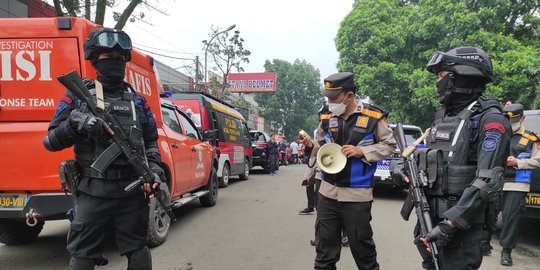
(69, 176)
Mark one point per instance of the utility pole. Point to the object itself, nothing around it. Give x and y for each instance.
(197, 87)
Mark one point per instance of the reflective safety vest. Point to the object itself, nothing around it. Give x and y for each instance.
(359, 130)
(521, 147)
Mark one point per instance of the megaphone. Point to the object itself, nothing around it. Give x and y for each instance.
(330, 159)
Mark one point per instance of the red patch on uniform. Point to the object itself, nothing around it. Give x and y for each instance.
(66, 99)
(495, 125)
(537, 145)
(146, 105)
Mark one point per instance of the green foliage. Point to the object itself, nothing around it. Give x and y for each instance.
(387, 44)
(295, 104)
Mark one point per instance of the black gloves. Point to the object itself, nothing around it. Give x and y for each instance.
(442, 233)
(86, 123)
(397, 172)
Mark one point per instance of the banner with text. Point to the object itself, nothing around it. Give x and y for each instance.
(252, 82)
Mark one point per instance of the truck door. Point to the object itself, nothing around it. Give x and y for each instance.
(201, 153)
(180, 150)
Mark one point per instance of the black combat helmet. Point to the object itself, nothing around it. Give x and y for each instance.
(464, 61)
(103, 39)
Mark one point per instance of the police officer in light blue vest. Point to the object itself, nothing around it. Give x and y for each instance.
(524, 157)
(345, 198)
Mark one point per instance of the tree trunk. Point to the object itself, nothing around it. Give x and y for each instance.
(58, 8)
(100, 11)
(126, 14)
(87, 9)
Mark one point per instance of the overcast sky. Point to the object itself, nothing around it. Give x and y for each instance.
(277, 29)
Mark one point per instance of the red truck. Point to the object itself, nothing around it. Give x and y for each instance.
(33, 52)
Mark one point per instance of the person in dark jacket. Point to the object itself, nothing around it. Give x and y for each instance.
(101, 202)
(273, 154)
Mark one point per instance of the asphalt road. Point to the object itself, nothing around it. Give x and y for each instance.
(254, 226)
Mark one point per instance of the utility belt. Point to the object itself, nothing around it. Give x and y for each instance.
(444, 180)
(439, 205)
(111, 173)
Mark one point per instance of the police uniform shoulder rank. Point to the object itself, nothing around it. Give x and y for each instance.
(529, 136)
(367, 110)
(325, 116)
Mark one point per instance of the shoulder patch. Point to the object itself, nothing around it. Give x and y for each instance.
(66, 99)
(491, 141)
(372, 113)
(494, 125)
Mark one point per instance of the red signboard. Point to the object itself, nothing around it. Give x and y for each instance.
(252, 82)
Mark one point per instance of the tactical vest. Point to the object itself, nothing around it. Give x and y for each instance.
(94, 150)
(450, 156)
(521, 147)
(359, 130)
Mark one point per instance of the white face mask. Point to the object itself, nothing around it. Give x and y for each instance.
(337, 108)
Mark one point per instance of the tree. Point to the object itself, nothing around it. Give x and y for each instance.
(295, 104)
(387, 44)
(75, 8)
(227, 54)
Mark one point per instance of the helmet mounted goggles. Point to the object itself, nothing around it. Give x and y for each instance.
(442, 61)
(107, 39)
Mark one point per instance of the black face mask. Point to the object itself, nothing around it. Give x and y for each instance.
(110, 72)
(442, 87)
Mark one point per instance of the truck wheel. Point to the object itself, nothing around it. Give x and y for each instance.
(245, 175)
(225, 176)
(158, 220)
(15, 232)
(210, 199)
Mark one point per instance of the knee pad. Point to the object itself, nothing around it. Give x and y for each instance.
(140, 259)
(81, 264)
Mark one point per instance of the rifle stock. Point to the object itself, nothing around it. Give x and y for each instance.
(73, 82)
(416, 191)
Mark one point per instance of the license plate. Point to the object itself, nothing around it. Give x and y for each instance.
(12, 200)
(532, 199)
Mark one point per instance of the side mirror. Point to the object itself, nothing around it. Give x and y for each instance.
(209, 134)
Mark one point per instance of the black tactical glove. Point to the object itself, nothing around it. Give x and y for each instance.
(86, 123)
(397, 172)
(442, 233)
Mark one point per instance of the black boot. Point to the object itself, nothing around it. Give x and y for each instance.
(506, 257)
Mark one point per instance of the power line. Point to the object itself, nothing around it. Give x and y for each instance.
(168, 56)
(152, 34)
(153, 48)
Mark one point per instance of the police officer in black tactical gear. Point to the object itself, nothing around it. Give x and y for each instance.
(524, 157)
(345, 198)
(469, 142)
(102, 202)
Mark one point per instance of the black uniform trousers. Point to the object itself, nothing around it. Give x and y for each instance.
(97, 216)
(513, 206)
(312, 191)
(463, 251)
(355, 218)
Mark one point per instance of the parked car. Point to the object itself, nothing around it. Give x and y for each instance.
(259, 143)
(382, 174)
(233, 140)
(30, 190)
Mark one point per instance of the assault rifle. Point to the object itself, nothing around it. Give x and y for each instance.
(416, 193)
(122, 142)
